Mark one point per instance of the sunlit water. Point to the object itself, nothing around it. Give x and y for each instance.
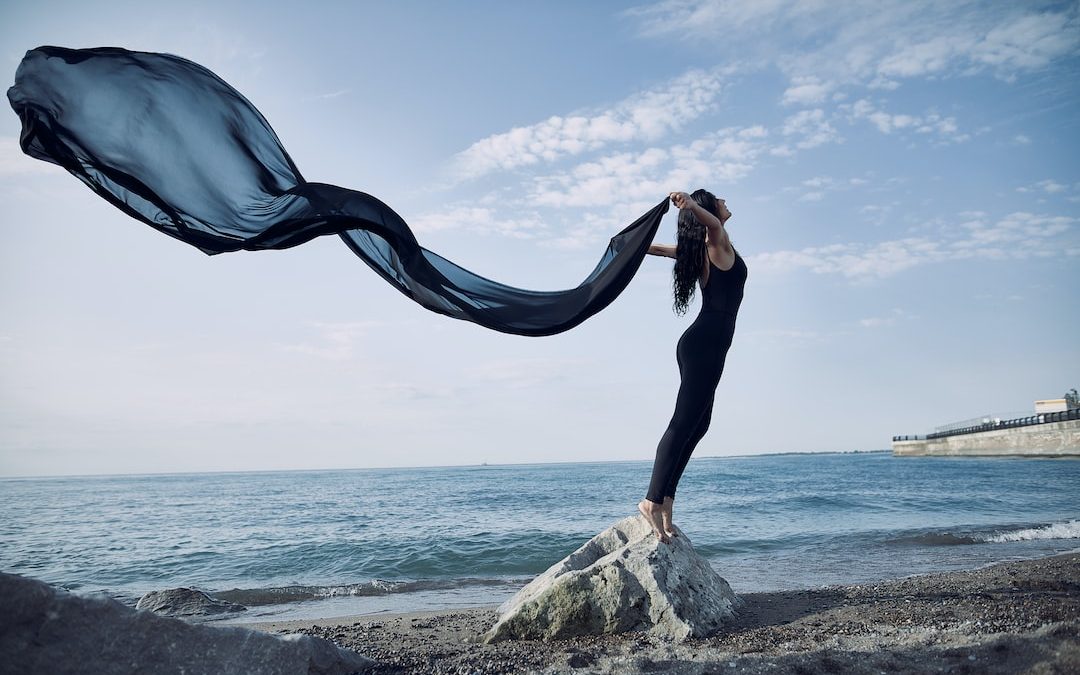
(327, 543)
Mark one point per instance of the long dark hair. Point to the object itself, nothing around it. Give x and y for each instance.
(690, 251)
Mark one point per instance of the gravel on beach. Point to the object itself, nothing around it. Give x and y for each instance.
(1012, 617)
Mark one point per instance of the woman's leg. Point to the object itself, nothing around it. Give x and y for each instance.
(699, 371)
(695, 438)
(667, 516)
(715, 370)
(695, 395)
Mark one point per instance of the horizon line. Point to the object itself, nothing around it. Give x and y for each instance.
(424, 466)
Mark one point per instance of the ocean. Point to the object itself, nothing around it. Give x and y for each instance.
(306, 544)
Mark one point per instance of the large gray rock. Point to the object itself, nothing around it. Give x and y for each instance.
(623, 579)
(186, 603)
(45, 630)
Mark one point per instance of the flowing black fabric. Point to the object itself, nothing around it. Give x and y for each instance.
(170, 143)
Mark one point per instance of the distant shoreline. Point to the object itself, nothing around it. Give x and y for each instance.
(439, 466)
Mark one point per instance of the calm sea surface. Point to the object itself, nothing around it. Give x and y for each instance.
(328, 543)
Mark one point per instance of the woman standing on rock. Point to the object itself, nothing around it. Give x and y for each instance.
(703, 255)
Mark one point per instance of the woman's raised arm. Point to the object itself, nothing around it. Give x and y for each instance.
(712, 224)
(666, 250)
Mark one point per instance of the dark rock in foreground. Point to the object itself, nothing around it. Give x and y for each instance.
(186, 603)
(623, 579)
(45, 630)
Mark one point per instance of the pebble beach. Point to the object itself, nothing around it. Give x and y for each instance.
(1011, 617)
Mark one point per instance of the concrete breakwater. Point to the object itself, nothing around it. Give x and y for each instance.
(1047, 439)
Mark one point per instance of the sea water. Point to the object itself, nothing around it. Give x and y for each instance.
(305, 544)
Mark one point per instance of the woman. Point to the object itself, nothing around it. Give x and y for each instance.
(703, 255)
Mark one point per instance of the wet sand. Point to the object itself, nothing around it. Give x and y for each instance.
(1015, 617)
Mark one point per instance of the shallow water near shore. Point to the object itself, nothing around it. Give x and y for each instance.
(292, 545)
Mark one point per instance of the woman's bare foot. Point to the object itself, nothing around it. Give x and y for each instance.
(652, 513)
(665, 516)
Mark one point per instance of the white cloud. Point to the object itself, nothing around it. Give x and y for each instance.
(645, 177)
(1025, 228)
(643, 117)
(873, 44)
(1024, 42)
(814, 189)
(1016, 235)
(1021, 139)
(612, 189)
(1048, 186)
(854, 261)
(944, 128)
(929, 56)
(810, 128)
(806, 90)
(480, 219)
(1030, 41)
(705, 17)
(832, 183)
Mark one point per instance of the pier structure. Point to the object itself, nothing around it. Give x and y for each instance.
(1053, 434)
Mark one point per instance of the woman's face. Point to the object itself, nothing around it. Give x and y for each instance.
(722, 211)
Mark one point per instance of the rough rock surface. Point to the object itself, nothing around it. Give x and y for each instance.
(186, 603)
(623, 579)
(45, 630)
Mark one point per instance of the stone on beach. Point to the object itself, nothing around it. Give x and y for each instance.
(46, 630)
(186, 603)
(623, 579)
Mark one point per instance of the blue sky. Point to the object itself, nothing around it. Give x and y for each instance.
(903, 175)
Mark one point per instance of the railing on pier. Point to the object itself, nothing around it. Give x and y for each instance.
(1041, 418)
(981, 419)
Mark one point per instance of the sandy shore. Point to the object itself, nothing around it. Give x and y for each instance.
(1016, 617)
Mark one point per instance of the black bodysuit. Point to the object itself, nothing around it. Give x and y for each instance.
(700, 354)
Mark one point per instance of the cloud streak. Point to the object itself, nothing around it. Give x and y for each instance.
(823, 45)
(1016, 236)
(814, 189)
(481, 220)
(643, 117)
(931, 123)
(809, 129)
(644, 177)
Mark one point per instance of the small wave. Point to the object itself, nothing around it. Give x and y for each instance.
(937, 539)
(1069, 530)
(252, 597)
